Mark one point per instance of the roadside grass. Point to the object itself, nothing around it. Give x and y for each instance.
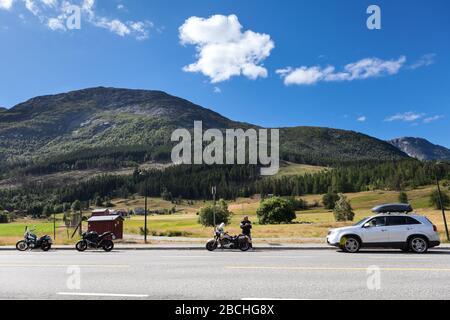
(312, 223)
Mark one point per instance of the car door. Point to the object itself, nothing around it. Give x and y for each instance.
(375, 231)
(398, 230)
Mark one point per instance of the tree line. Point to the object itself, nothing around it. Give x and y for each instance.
(195, 182)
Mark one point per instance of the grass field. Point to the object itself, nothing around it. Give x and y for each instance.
(312, 223)
(294, 169)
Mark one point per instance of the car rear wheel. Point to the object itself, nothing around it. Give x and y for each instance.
(418, 244)
(351, 244)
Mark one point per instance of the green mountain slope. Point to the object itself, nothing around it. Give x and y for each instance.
(107, 119)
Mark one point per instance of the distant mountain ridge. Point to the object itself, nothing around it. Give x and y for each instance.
(421, 149)
(101, 118)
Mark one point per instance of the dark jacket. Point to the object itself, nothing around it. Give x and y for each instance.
(246, 227)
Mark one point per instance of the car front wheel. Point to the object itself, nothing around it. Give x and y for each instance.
(351, 244)
(418, 244)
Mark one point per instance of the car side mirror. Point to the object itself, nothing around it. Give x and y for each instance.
(367, 225)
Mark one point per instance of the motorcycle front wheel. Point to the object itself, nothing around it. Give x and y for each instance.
(211, 245)
(46, 246)
(22, 246)
(108, 245)
(81, 246)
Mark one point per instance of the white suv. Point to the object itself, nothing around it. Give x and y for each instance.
(408, 232)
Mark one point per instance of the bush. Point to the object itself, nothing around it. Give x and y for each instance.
(47, 211)
(329, 200)
(403, 197)
(276, 210)
(76, 206)
(343, 211)
(166, 195)
(298, 204)
(434, 200)
(206, 215)
(4, 217)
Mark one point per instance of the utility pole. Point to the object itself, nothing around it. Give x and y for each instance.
(440, 202)
(146, 213)
(214, 191)
(145, 204)
(54, 225)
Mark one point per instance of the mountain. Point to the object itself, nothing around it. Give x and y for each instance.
(97, 118)
(421, 149)
(2, 109)
(103, 121)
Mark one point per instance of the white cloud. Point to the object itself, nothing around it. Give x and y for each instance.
(361, 119)
(424, 61)
(6, 4)
(223, 50)
(53, 13)
(406, 117)
(56, 24)
(137, 29)
(362, 69)
(414, 117)
(217, 90)
(432, 119)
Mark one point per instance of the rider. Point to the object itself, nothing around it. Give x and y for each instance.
(246, 226)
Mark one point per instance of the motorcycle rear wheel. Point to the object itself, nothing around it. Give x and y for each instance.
(46, 246)
(108, 245)
(81, 246)
(245, 246)
(22, 246)
(211, 245)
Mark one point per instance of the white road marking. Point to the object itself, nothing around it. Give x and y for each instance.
(116, 295)
(279, 299)
(240, 256)
(336, 268)
(63, 265)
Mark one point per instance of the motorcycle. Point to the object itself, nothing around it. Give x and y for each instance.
(31, 241)
(95, 241)
(226, 241)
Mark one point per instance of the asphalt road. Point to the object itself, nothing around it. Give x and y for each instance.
(303, 274)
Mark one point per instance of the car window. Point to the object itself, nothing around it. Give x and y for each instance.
(360, 223)
(396, 221)
(378, 222)
(410, 220)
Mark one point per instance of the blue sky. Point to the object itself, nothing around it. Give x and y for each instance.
(272, 63)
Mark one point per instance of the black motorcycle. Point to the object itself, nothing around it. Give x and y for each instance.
(31, 241)
(225, 241)
(95, 241)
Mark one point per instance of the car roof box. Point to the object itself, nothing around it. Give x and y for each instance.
(393, 208)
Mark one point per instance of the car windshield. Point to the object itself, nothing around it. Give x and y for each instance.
(361, 222)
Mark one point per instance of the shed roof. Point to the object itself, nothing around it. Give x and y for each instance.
(104, 218)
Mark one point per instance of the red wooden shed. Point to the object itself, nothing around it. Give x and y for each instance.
(102, 224)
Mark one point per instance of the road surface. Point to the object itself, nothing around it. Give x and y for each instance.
(302, 274)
